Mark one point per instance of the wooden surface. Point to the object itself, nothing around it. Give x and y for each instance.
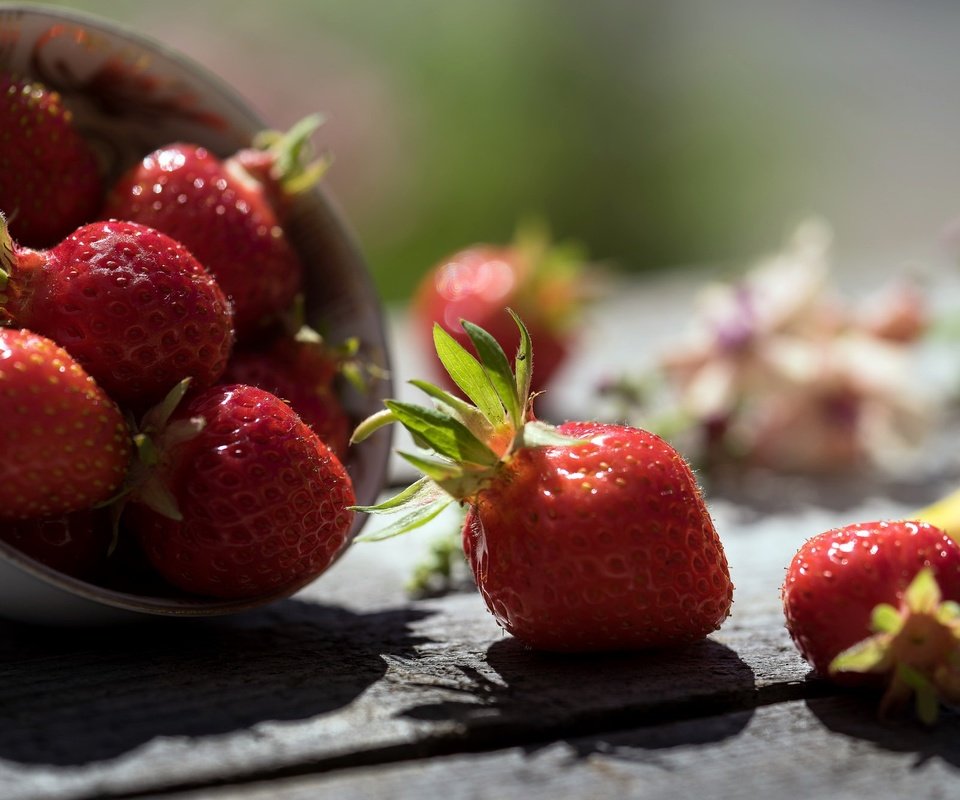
(353, 689)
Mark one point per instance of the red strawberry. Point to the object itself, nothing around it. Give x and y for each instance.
(65, 444)
(584, 537)
(301, 370)
(242, 499)
(75, 544)
(478, 283)
(131, 305)
(51, 181)
(862, 604)
(226, 215)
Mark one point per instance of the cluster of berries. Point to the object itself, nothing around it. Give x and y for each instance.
(146, 346)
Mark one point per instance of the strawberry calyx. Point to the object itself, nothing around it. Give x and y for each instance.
(552, 275)
(344, 358)
(153, 436)
(917, 645)
(17, 266)
(7, 257)
(284, 161)
(470, 441)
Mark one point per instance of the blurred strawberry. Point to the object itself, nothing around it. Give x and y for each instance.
(50, 177)
(542, 283)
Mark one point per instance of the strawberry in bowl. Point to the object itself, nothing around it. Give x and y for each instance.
(111, 297)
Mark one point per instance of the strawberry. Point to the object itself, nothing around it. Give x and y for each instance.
(131, 305)
(543, 283)
(581, 538)
(236, 497)
(301, 369)
(863, 604)
(229, 213)
(76, 544)
(51, 179)
(65, 443)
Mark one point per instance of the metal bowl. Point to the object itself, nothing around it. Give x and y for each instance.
(129, 95)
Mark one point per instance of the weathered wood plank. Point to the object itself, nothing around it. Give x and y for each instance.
(829, 747)
(351, 672)
(304, 683)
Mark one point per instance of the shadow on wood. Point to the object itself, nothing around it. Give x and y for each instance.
(72, 697)
(855, 715)
(528, 698)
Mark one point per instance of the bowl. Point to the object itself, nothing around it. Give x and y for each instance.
(129, 95)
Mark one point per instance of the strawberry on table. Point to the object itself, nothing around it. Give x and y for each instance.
(875, 604)
(235, 496)
(130, 304)
(51, 180)
(230, 214)
(64, 442)
(581, 538)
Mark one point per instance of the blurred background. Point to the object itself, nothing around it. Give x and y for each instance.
(659, 134)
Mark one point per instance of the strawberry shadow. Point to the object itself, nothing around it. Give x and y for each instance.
(854, 714)
(520, 698)
(76, 696)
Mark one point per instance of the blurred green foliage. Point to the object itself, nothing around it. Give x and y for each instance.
(656, 133)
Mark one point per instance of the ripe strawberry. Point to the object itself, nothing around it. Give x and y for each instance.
(863, 606)
(131, 305)
(65, 444)
(301, 369)
(76, 544)
(51, 181)
(227, 215)
(239, 498)
(478, 283)
(583, 537)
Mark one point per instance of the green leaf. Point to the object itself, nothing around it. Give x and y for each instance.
(433, 468)
(372, 424)
(870, 655)
(154, 494)
(923, 594)
(459, 481)
(524, 362)
(442, 433)
(419, 493)
(469, 415)
(157, 417)
(469, 375)
(498, 370)
(927, 701)
(928, 704)
(416, 518)
(540, 434)
(886, 619)
(948, 613)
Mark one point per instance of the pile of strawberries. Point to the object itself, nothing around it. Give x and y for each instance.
(148, 339)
